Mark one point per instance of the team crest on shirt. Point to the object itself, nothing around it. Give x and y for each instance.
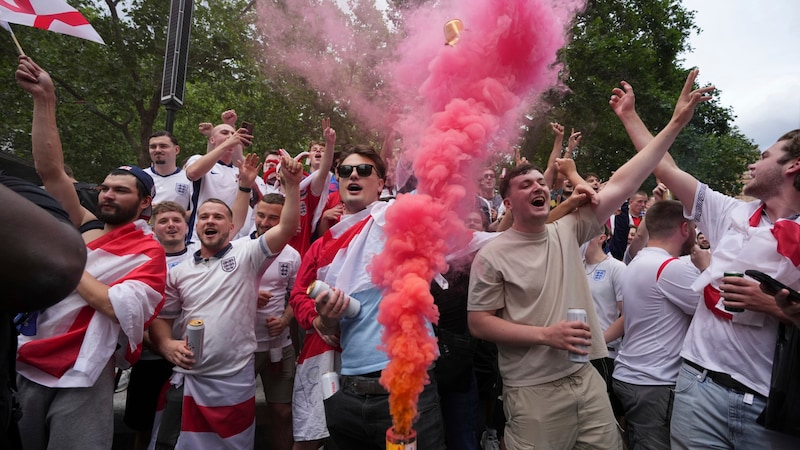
(283, 269)
(228, 264)
(181, 188)
(599, 275)
(303, 209)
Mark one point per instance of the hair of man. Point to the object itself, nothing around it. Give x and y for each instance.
(522, 169)
(166, 133)
(167, 206)
(367, 152)
(663, 218)
(220, 202)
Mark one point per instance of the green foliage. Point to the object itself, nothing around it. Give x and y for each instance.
(639, 42)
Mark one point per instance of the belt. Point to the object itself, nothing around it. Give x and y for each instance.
(723, 379)
(611, 349)
(363, 384)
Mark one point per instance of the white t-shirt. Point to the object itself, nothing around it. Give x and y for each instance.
(278, 280)
(657, 310)
(605, 284)
(222, 291)
(221, 181)
(174, 187)
(743, 347)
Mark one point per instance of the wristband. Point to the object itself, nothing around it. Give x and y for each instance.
(246, 189)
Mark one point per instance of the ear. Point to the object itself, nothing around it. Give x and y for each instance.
(145, 202)
(381, 184)
(794, 167)
(507, 203)
(177, 149)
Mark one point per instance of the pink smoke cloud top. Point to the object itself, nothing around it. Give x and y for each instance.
(465, 99)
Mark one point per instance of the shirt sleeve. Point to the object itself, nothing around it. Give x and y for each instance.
(303, 305)
(485, 286)
(675, 284)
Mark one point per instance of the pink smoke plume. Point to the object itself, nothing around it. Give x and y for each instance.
(465, 98)
(460, 104)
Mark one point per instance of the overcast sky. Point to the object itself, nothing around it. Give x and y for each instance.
(750, 51)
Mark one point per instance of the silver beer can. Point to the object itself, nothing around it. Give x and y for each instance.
(195, 331)
(574, 314)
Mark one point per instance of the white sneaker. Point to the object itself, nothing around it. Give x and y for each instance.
(124, 379)
(489, 440)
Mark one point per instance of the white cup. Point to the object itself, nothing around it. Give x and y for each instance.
(275, 354)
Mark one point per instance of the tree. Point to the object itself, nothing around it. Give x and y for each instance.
(640, 42)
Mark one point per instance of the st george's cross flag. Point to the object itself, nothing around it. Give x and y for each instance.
(51, 15)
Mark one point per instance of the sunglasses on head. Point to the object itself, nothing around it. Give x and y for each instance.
(363, 170)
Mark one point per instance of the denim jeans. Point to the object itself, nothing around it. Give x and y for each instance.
(707, 415)
(358, 421)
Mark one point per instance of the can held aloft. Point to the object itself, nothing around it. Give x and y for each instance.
(194, 337)
(733, 308)
(330, 384)
(396, 441)
(317, 287)
(574, 314)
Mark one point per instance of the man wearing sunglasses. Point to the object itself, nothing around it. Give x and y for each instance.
(340, 258)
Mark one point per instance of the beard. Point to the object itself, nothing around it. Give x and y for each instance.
(688, 245)
(765, 185)
(118, 214)
(215, 242)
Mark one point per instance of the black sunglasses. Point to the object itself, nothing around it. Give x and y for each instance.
(363, 170)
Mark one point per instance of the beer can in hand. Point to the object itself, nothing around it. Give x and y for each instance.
(733, 308)
(574, 314)
(194, 338)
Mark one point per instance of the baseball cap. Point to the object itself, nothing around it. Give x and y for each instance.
(147, 180)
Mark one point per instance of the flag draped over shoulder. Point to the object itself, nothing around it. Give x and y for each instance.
(51, 15)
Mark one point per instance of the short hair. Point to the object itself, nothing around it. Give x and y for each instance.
(142, 190)
(68, 170)
(219, 202)
(167, 206)
(274, 199)
(522, 169)
(166, 133)
(313, 143)
(663, 218)
(642, 193)
(367, 152)
(791, 151)
(271, 152)
(591, 174)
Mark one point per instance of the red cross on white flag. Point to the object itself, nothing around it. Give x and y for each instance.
(52, 15)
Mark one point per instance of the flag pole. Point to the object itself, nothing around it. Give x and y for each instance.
(14, 37)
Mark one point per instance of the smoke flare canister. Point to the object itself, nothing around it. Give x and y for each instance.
(194, 337)
(733, 274)
(574, 314)
(317, 287)
(396, 441)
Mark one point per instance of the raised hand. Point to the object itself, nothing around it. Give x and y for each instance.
(33, 79)
(690, 98)
(205, 128)
(229, 117)
(248, 169)
(623, 101)
(557, 128)
(574, 140)
(328, 133)
(291, 172)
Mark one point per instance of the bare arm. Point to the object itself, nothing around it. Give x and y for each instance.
(564, 335)
(199, 168)
(617, 328)
(323, 174)
(248, 170)
(550, 172)
(628, 177)
(682, 184)
(95, 293)
(278, 236)
(173, 350)
(48, 156)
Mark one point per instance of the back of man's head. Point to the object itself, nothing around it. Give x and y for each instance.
(273, 199)
(664, 218)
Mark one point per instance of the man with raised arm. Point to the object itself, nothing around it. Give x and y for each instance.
(219, 286)
(65, 359)
(522, 284)
(725, 377)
